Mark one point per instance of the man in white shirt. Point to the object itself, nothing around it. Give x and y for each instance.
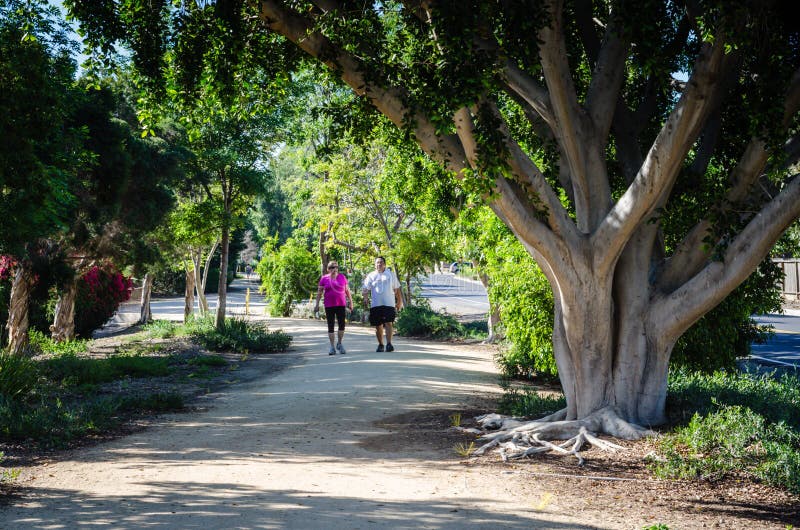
(381, 291)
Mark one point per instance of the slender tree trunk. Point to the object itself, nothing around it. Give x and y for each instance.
(188, 307)
(493, 319)
(63, 327)
(223, 278)
(145, 315)
(18, 307)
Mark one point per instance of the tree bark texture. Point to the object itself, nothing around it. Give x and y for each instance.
(188, 306)
(222, 292)
(18, 307)
(145, 314)
(63, 327)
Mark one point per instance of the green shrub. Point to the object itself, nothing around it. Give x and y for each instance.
(732, 439)
(421, 321)
(18, 375)
(41, 343)
(738, 423)
(525, 300)
(530, 403)
(288, 274)
(240, 335)
(777, 400)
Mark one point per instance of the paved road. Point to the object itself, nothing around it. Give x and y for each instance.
(783, 349)
(456, 295)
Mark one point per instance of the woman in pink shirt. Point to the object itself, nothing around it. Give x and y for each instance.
(337, 299)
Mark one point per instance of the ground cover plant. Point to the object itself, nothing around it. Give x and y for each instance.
(722, 425)
(72, 391)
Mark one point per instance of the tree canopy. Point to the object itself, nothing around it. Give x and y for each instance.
(645, 199)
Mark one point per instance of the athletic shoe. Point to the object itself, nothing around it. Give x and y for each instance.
(389, 347)
(332, 351)
(341, 348)
(380, 347)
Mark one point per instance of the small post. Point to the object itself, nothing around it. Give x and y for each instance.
(247, 302)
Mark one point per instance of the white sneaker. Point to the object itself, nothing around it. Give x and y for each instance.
(341, 348)
(332, 351)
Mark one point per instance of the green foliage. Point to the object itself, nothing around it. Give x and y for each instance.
(529, 403)
(525, 300)
(54, 423)
(777, 400)
(41, 343)
(420, 321)
(239, 335)
(738, 424)
(291, 273)
(40, 148)
(18, 375)
(7, 475)
(725, 333)
(71, 370)
(164, 329)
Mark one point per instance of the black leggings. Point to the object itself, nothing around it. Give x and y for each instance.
(338, 312)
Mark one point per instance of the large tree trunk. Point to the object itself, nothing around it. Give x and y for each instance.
(188, 306)
(18, 306)
(145, 314)
(63, 327)
(222, 291)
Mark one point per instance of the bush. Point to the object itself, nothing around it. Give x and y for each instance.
(239, 335)
(292, 273)
(100, 291)
(421, 321)
(525, 300)
(739, 424)
(18, 375)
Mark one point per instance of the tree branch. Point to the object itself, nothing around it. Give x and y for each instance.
(663, 162)
(676, 312)
(388, 101)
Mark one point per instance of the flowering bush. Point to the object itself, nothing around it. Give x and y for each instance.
(7, 266)
(100, 291)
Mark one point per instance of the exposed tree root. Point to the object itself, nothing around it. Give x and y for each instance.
(516, 438)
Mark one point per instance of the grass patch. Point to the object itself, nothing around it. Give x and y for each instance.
(164, 329)
(737, 424)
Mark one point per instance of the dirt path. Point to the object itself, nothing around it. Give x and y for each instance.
(290, 451)
(312, 446)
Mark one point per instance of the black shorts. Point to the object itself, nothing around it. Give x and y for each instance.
(336, 312)
(381, 315)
